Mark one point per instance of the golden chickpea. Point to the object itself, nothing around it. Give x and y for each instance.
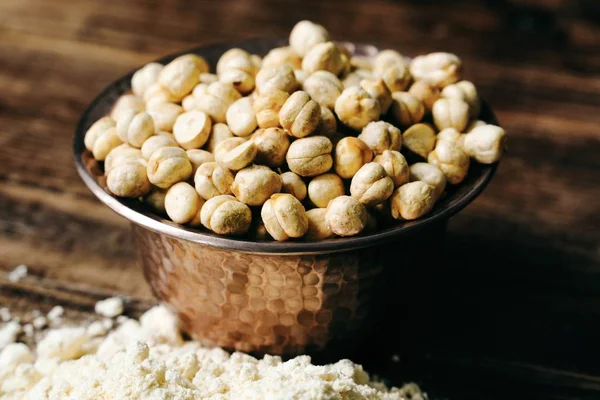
(356, 108)
(104, 143)
(439, 69)
(371, 185)
(179, 76)
(129, 179)
(207, 78)
(323, 87)
(284, 217)
(225, 215)
(97, 129)
(212, 179)
(240, 157)
(305, 35)
(281, 77)
(183, 204)
(431, 175)
(294, 185)
(219, 133)
(451, 135)
(155, 142)
(191, 129)
(156, 200)
(310, 156)
(395, 166)
(241, 117)
(450, 113)
(272, 145)
(324, 57)
(300, 115)
(216, 100)
(355, 77)
(465, 91)
(379, 91)
(317, 226)
(350, 155)
(282, 55)
(227, 145)
(412, 200)
(145, 77)
(346, 216)
(255, 184)
(164, 115)
(198, 157)
(485, 143)
(199, 61)
(420, 139)
(324, 188)
(157, 94)
(127, 103)
(120, 154)
(451, 160)
(381, 136)
(189, 103)
(167, 166)
(406, 108)
(386, 59)
(396, 77)
(267, 107)
(425, 92)
(236, 67)
(328, 123)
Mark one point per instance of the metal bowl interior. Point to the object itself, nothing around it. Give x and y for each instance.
(91, 172)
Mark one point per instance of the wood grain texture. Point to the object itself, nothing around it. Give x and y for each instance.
(512, 311)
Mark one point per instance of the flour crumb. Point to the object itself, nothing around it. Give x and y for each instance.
(28, 330)
(39, 322)
(110, 308)
(56, 313)
(9, 333)
(20, 272)
(5, 314)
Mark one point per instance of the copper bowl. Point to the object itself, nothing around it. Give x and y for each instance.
(269, 297)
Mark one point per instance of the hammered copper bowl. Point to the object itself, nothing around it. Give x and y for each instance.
(268, 297)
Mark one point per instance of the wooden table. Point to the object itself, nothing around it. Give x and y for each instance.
(513, 311)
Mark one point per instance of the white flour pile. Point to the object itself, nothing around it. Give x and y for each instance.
(149, 360)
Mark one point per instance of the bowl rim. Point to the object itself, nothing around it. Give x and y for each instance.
(131, 209)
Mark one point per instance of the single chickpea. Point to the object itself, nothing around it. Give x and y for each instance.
(431, 175)
(450, 113)
(134, 128)
(191, 129)
(120, 154)
(355, 77)
(180, 76)
(407, 109)
(267, 107)
(281, 77)
(255, 184)
(385, 59)
(439, 69)
(371, 185)
(485, 143)
(381, 136)
(294, 185)
(199, 61)
(451, 135)
(145, 77)
(236, 67)
(328, 123)
(449, 158)
(104, 143)
(396, 77)
(167, 166)
(310, 156)
(465, 91)
(241, 156)
(350, 155)
(324, 188)
(284, 217)
(300, 115)
(305, 35)
(379, 91)
(272, 145)
(346, 216)
(207, 78)
(216, 100)
(317, 226)
(323, 87)
(420, 139)
(164, 115)
(395, 166)
(425, 92)
(282, 55)
(356, 108)
(219, 133)
(198, 157)
(156, 200)
(324, 57)
(126, 103)
(226, 145)
(183, 204)
(225, 215)
(155, 142)
(129, 179)
(157, 94)
(412, 200)
(212, 179)
(241, 117)
(97, 129)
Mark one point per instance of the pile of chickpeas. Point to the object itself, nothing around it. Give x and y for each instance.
(308, 142)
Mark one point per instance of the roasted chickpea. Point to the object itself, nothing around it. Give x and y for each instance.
(255, 184)
(310, 156)
(192, 129)
(420, 139)
(379, 91)
(450, 113)
(485, 143)
(323, 87)
(465, 91)
(425, 92)
(216, 100)
(183, 204)
(317, 225)
(272, 145)
(219, 133)
(305, 35)
(407, 109)
(371, 185)
(282, 55)
(284, 217)
(453, 162)
(267, 107)
(439, 69)
(167, 166)
(350, 155)
(324, 188)
(241, 117)
(300, 115)
(281, 77)
(129, 179)
(356, 108)
(346, 216)
(395, 166)
(225, 215)
(412, 200)
(294, 185)
(380, 136)
(212, 179)
(431, 175)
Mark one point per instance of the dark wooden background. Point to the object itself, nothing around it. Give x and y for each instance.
(513, 311)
